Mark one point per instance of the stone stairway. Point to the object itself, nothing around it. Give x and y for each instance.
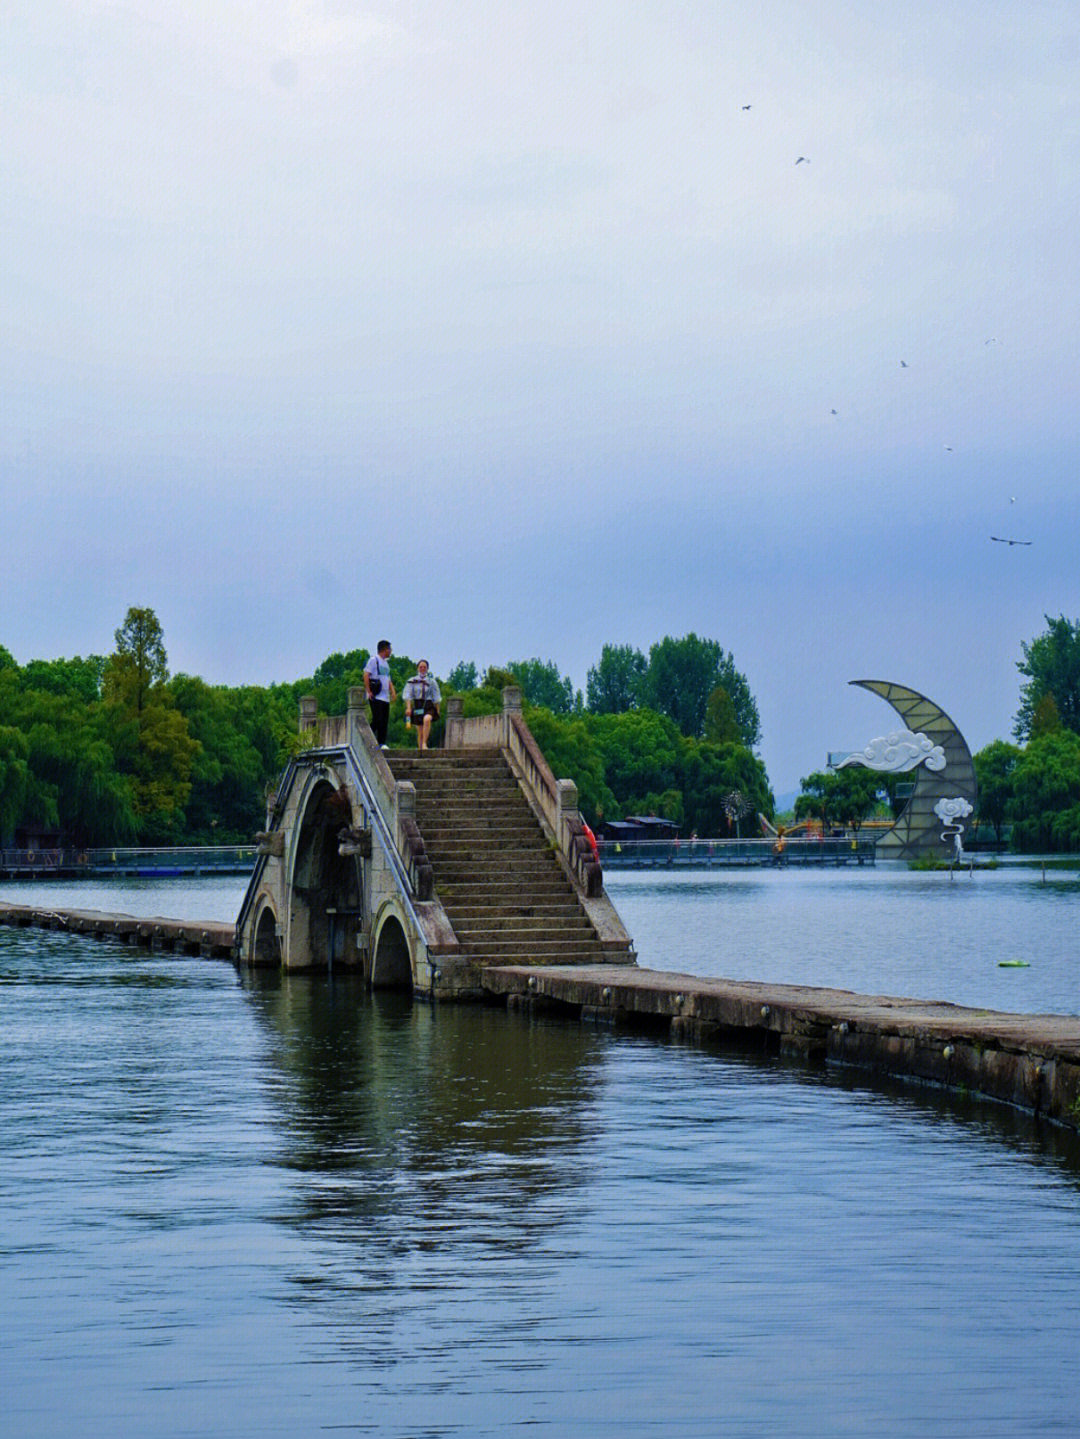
(499, 881)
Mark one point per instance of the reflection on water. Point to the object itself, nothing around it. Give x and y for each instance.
(274, 1206)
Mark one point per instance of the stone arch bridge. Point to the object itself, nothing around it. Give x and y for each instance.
(422, 869)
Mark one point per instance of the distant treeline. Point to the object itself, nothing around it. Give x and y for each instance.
(112, 749)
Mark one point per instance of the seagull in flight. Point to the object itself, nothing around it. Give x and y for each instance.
(999, 541)
(802, 160)
(746, 107)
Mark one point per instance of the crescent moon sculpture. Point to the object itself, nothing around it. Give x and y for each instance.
(919, 830)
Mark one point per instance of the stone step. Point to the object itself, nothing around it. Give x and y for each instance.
(498, 843)
(571, 952)
(555, 922)
(523, 875)
(424, 776)
(467, 894)
(541, 961)
(509, 911)
(512, 941)
(470, 826)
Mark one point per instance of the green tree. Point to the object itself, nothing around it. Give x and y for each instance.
(857, 794)
(712, 772)
(333, 679)
(148, 734)
(721, 722)
(15, 779)
(571, 751)
(1051, 665)
(80, 678)
(681, 676)
(75, 772)
(1046, 718)
(1046, 784)
(542, 684)
(497, 679)
(463, 676)
(229, 771)
(138, 663)
(994, 766)
(817, 800)
(642, 756)
(614, 684)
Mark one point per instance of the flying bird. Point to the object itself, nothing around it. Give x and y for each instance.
(802, 160)
(746, 107)
(998, 541)
(903, 364)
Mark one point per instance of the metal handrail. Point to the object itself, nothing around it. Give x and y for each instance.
(381, 829)
(73, 857)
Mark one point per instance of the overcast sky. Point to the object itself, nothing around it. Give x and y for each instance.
(511, 331)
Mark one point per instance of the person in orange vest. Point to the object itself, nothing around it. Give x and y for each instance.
(592, 841)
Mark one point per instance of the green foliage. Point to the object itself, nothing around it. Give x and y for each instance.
(928, 861)
(614, 685)
(1051, 665)
(462, 677)
(681, 676)
(15, 777)
(994, 766)
(572, 753)
(641, 754)
(79, 678)
(844, 796)
(332, 680)
(710, 773)
(1046, 717)
(138, 663)
(149, 735)
(487, 700)
(543, 685)
(1046, 789)
(114, 751)
(241, 738)
(721, 722)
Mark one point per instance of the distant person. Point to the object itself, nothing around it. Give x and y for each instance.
(380, 691)
(422, 699)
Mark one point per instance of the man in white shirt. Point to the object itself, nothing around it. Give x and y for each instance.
(380, 691)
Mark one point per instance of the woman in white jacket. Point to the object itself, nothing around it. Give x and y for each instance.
(422, 700)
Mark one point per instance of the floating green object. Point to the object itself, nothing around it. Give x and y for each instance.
(1014, 964)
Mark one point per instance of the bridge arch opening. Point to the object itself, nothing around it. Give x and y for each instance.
(266, 945)
(392, 965)
(325, 900)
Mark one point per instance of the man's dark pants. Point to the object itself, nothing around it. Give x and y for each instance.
(380, 719)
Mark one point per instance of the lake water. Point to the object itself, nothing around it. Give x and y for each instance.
(255, 1205)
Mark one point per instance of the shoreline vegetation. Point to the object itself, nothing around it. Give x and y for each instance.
(115, 750)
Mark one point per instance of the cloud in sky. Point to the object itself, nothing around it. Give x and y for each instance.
(526, 305)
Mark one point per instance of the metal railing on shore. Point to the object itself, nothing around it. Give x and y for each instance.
(161, 862)
(729, 853)
(177, 860)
